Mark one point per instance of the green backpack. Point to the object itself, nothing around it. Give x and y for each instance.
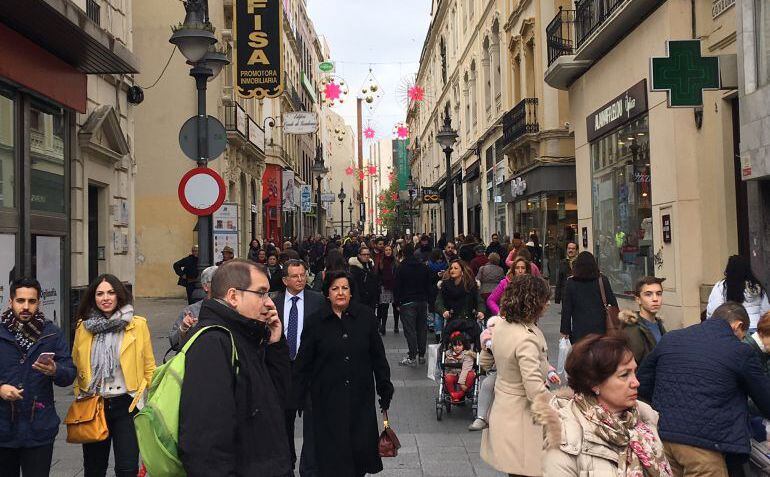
(157, 424)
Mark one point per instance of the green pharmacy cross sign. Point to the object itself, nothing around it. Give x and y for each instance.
(684, 73)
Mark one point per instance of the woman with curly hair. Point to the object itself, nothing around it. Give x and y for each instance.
(459, 295)
(513, 441)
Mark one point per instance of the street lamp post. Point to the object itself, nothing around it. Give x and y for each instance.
(195, 40)
(318, 169)
(342, 196)
(412, 188)
(446, 137)
(350, 212)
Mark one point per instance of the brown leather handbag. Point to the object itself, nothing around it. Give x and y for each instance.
(388, 443)
(611, 311)
(86, 421)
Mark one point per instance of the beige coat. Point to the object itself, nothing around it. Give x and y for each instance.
(513, 443)
(574, 450)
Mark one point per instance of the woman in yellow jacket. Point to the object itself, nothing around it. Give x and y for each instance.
(113, 355)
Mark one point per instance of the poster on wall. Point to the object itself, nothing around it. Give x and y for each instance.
(48, 273)
(7, 263)
(225, 229)
(287, 179)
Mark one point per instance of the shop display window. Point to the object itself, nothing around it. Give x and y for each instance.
(622, 205)
(46, 143)
(7, 151)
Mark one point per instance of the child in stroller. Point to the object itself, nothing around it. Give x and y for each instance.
(458, 379)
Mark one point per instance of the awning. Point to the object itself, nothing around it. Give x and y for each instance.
(63, 29)
(472, 172)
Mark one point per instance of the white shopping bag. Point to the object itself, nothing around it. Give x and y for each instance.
(432, 360)
(564, 348)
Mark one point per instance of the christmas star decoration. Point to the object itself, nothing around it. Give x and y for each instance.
(416, 93)
(372, 170)
(361, 175)
(349, 170)
(332, 91)
(369, 133)
(394, 196)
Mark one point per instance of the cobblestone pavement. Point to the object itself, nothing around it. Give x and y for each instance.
(429, 447)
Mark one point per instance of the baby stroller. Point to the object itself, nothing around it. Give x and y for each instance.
(470, 329)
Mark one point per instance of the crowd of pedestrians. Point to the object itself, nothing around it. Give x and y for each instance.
(296, 331)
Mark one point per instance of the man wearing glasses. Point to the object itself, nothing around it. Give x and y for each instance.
(295, 306)
(231, 418)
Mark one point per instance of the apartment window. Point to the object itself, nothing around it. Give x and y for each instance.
(47, 154)
(762, 9)
(7, 151)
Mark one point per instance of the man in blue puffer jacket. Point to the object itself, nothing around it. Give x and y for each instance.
(28, 420)
(698, 379)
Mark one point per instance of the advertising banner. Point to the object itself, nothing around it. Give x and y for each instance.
(287, 179)
(305, 194)
(258, 30)
(225, 229)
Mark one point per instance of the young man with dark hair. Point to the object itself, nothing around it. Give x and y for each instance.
(232, 421)
(643, 329)
(413, 284)
(565, 270)
(33, 357)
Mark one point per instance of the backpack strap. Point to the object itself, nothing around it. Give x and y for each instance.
(234, 356)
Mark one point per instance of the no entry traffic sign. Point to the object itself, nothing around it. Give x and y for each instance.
(201, 191)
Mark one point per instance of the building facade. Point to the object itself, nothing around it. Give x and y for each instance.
(66, 147)
(263, 167)
(482, 64)
(754, 80)
(381, 157)
(658, 188)
(339, 155)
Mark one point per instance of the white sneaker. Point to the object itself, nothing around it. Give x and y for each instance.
(478, 425)
(408, 362)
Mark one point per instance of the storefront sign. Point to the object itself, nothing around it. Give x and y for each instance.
(626, 106)
(258, 31)
(49, 275)
(308, 85)
(326, 66)
(328, 197)
(240, 119)
(256, 135)
(666, 219)
(300, 122)
(720, 6)
(430, 196)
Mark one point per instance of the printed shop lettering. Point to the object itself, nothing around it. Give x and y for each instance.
(615, 111)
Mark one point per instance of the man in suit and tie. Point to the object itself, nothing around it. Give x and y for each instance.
(295, 305)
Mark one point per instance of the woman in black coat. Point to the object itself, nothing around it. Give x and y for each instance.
(582, 310)
(341, 361)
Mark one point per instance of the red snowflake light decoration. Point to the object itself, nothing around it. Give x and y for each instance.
(369, 133)
(372, 170)
(401, 131)
(349, 170)
(332, 91)
(394, 196)
(378, 221)
(385, 210)
(361, 175)
(416, 93)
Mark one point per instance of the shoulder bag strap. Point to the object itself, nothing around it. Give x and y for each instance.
(601, 290)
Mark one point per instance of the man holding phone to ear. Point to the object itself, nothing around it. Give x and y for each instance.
(33, 357)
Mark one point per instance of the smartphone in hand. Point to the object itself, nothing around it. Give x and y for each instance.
(45, 358)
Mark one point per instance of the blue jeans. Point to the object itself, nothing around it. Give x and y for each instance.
(438, 323)
(415, 324)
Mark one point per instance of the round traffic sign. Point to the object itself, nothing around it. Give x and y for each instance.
(217, 138)
(201, 191)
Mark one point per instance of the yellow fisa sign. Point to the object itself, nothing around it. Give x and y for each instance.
(258, 48)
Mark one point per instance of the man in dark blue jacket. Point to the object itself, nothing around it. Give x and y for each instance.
(699, 379)
(33, 357)
(413, 283)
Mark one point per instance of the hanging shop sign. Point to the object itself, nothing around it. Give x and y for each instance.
(518, 187)
(328, 197)
(257, 61)
(326, 66)
(625, 107)
(430, 196)
(305, 194)
(300, 122)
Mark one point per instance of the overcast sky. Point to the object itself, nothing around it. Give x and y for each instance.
(360, 32)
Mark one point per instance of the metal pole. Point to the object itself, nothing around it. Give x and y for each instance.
(318, 204)
(205, 252)
(342, 217)
(448, 196)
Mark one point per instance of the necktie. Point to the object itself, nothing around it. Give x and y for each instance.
(291, 330)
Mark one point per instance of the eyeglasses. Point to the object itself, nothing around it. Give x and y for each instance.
(260, 293)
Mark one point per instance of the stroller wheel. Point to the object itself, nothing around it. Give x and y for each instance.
(439, 412)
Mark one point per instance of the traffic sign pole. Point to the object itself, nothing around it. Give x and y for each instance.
(205, 252)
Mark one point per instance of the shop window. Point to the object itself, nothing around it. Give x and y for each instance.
(46, 143)
(7, 151)
(622, 205)
(762, 9)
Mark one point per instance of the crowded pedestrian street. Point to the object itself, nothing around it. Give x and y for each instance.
(429, 448)
(335, 238)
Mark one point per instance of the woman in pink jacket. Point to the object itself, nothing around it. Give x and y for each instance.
(520, 266)
(524, 253)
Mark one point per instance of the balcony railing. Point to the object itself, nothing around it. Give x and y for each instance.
(560, 35)
(520, 120)
(590, 14)
(93, 11)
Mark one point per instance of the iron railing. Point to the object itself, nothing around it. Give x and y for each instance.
(93, 11)
(590, 14)
(520, 120)
(560, 35)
